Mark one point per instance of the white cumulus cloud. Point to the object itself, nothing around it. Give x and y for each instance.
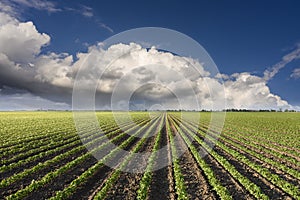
(246, 91)
(149, 74)
(20, 42)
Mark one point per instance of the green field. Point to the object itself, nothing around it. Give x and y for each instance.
(257, 156)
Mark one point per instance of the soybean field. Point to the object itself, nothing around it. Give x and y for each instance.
(257, 156)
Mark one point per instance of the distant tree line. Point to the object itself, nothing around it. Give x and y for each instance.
(260, 110)
(235, 110)
(180, 110)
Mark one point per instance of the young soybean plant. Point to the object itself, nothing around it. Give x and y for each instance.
(147, 177)
(108, 184)
(179, 181)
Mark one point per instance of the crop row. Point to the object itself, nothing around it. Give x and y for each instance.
(50, 176)
(64, 144)
(273, 178)
(116, 173)
(250, 186)
(68, 191)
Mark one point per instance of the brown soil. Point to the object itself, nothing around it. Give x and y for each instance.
(162, 184)
(128, 183)
(268, 188)
(99, 177)
(236, 190)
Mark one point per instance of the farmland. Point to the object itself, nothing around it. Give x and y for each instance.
(257, 156)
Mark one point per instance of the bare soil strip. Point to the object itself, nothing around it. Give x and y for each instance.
(128, 183)
(38, 174)
(162, 185)
(268, 188)
(245, 127)
(20, 184)
(35, 162)
(34, 146)
(272, 169)
(285, 176)
(98, 179)
(60, 182)
(236, 190)
(197, 186)
(267, 155)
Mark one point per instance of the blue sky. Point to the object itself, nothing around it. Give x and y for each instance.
(240, 36)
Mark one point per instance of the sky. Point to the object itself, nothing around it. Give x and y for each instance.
(254, 44)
